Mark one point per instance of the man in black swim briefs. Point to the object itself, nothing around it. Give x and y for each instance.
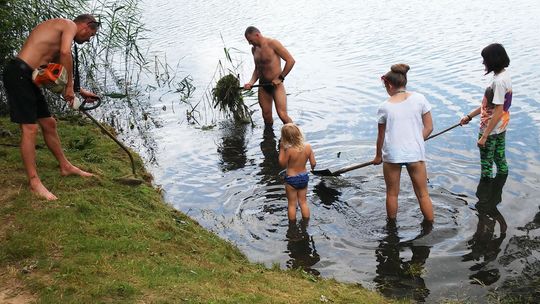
(50, 41)
(267, 53)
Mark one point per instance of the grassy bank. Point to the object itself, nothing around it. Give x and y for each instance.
(107, 242)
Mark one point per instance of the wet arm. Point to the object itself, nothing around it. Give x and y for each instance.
(380, 140)
(285, 55)
(255, 75)
(312, 160)
(428, 124)
(282, 159)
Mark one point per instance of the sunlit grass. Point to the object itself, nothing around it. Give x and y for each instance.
(107, 242)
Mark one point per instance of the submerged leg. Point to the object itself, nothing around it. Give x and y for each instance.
(500, 154)
(265, 101)
(292, 199)
(280, 99)
(392, 175)
(302, 200)
(487, 154)
(418, 173)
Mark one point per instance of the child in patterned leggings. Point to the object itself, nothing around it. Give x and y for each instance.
(493, 152)
(494, 112)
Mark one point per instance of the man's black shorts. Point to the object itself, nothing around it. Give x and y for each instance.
(25, 100)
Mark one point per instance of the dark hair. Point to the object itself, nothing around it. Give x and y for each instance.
(397, 75)
(89, 19)
(251, 30)
(495, 58)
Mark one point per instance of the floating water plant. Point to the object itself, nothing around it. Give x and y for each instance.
(228, 97)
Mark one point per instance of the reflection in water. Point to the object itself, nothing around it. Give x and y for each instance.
(334, 95)
(274, 192)
(484, 245)
(327, 195)
(395, 276)
(523, 286)
(270, 165)
(232, 150)
(301, 247)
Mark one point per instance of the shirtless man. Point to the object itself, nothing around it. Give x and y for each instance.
(50, 41)
(267, 54)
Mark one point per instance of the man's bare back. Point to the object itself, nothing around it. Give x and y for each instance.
(45, 42)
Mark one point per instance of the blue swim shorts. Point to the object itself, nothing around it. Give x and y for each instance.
(299, 181)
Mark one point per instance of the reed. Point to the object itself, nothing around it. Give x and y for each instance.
(228, 98)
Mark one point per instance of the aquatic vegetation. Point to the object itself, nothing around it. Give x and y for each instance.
(415, 270)
(224, 94)
(227, 96)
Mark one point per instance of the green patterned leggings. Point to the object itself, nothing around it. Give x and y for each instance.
(494, 151)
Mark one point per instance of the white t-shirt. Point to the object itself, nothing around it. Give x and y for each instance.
(499, 92)
(403, 139)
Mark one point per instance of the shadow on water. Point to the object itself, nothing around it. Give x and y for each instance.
(301, 248)
(522, 287)
(397, 277)
(485, 245)
(326, 194)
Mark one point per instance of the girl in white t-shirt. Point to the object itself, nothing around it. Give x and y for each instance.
(494, 112)
(404, 122)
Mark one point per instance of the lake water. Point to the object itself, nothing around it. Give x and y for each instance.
(227, 177)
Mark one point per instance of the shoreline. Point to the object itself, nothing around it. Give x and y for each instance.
(103, 241)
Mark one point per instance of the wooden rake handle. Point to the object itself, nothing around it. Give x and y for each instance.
(353, 167)
(443, 131)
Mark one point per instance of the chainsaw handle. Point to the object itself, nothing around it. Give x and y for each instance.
(96, 103)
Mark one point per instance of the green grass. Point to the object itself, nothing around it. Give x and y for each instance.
(104, 242)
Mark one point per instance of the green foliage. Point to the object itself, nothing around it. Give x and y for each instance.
(81, 143)
(227, 96)
(19, 17)
(116, 40)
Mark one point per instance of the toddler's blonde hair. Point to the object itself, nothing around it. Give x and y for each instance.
(291, 136)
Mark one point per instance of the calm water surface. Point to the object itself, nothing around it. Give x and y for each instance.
(227, 177)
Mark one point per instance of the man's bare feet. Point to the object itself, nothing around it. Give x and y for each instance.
(72, 170)
(38, 189)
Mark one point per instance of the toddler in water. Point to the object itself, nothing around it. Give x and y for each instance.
(293, 155)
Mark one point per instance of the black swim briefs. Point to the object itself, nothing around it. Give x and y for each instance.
(268, 87)
(25, 100)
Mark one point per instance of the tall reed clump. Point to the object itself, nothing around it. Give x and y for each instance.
(227, 95)
(112, 64)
